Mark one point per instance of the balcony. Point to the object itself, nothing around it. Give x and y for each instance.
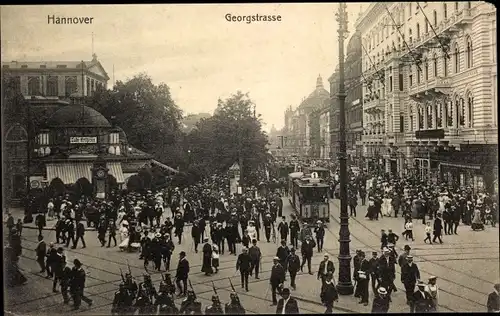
(430, 90)
(374, 104)
(465, 17)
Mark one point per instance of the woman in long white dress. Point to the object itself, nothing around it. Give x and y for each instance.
(386, 206)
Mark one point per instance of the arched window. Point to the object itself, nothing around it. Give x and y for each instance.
(34, 86)
(470, 112)
(439, 115)
(420, 117)
(70, 85)
(418, 31)
(52, 86)
(410, 36)
(469, 52)
(429, 116)
(410, 116)
(435, 62)
(457, 58)
(435, 18)
(426, 70)
(445, 11)
(461, 113)
(449, 114)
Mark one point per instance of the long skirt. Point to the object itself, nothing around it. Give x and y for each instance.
(207, 264)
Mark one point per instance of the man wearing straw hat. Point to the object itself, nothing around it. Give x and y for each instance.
(381, 302)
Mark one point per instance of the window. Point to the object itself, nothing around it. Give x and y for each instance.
(34, 86)
(435, 68)
(70, 85)
(52, 86)
(420, 117)
(445, 66)
(401, 80)
(426, 70)
(429, 116)
(401, 123)
(88, 87)
(469, 5)
(470, 114)
(435, 18)
(426, 27)
(445, 11)
(410, 115)
(457, 58)
(439, 114)
(461, 112)
(469, 52)
(449, 114)
(418, 31)
(410, 80)
(419, 73)
(456, 6)
(409, 9)
(390, 83)
(410, 36)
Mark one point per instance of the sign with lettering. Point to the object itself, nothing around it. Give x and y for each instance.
(432, 133)
(82, 140)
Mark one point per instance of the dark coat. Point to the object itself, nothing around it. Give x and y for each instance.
(380, 305)
(307, 249)
(329, 268)
(292, 307)
(277, 274)
(438, 226)
(182, 269)
(282, 253)
(293, 262)
(410, 274)
(493, 303)
(243, 264)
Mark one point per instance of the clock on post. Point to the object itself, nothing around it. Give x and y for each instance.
(100, 176)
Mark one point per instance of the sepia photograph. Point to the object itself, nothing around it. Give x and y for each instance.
(191, 159)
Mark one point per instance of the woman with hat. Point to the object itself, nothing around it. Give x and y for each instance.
(207, 258)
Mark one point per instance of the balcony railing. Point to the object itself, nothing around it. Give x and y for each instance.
(430, 88)
(374, 103)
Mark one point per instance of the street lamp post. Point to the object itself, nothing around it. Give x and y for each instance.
(344, 285)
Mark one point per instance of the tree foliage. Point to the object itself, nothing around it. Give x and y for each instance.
(233, 132)
(147, 114)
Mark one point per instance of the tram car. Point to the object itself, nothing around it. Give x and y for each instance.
(323, 173)
(309, 197)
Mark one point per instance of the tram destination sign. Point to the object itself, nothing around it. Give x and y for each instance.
(83, 140)
(431, 133)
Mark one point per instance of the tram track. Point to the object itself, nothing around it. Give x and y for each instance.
(105, 294)
(425, 260)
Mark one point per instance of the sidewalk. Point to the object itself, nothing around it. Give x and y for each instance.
(18, 213)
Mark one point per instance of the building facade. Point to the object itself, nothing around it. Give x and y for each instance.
(57, 78)
(298, 129)
(430, 89)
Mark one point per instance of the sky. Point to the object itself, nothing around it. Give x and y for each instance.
(192, 48)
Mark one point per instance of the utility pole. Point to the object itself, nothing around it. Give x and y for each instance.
(344, 285)
(29, 132)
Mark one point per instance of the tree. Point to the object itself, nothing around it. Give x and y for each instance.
(232, 134)
(84, 187)
(56, 187)
(147, 114)
(135, 184)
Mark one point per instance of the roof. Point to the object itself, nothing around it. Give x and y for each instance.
(56, 65)
(77, 115)
(317, 97)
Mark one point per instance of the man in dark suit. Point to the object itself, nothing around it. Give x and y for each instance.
(293, 262)
(277, 277)
(41, 252)
(80, 232)
(307, 250)
(282, 253)
(244, 265)
(283, 229)
(182, 274)
(438, 228)
(326, 266)
(294, 231)
(58, 266)
(287, 304)
(409, 276)
(493, 303)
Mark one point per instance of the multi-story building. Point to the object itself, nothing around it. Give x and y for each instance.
(430, 89)
(57, 78)
(297, 130)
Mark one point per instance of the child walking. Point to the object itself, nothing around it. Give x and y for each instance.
(409, 230)
(428, 231)
(215, 258)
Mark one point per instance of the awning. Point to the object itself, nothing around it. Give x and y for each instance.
(159, 164)
(457, 165)
(115, 169)
(69, 173)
